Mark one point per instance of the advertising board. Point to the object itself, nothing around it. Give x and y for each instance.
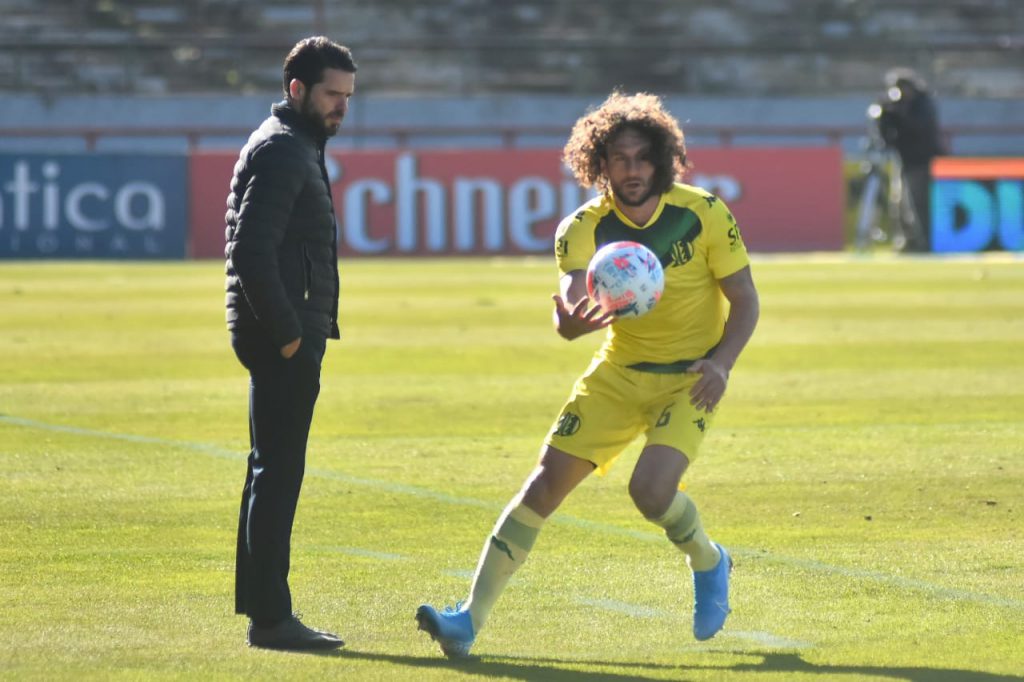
(93, 206)
(482, 202)
(977, 204)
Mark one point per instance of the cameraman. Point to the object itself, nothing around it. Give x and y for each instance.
(907, 122)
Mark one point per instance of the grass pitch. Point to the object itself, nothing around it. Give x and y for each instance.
(866, 470)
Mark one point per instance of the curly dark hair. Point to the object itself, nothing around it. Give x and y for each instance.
(642, 112)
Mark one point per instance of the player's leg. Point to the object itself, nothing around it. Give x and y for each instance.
(675, 434)
(654, 489)
(517, 528)
(507, 548)
(596, 423)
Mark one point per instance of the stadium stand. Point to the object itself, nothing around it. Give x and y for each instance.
(969, 48)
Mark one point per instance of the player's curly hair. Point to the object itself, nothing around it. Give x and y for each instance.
(643, 112)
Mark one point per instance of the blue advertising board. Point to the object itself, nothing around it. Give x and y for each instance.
(93, 205)
(977, 204)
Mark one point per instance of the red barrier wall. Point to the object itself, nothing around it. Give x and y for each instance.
(411, 202)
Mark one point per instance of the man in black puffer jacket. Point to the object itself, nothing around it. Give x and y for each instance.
(282, 306)
(908, 123)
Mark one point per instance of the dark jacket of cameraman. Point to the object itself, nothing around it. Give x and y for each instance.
(911, 127)
(281, 252)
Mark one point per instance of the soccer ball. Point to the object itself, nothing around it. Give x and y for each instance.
(625, 278)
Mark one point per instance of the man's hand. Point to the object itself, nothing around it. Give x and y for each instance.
(579, 320)
(744, 309)
(710, 388)
(290, 349)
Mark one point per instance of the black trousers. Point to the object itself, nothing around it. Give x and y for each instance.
(915, 207)
(282, 394)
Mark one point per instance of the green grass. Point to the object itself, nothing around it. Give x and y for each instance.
(867, 470)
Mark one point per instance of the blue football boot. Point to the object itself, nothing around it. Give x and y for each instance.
(711, 597)
(452, 628)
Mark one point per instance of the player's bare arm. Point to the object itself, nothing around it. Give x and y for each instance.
(574, 315)
(744, 309)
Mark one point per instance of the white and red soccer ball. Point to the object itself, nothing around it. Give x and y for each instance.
(625, 278)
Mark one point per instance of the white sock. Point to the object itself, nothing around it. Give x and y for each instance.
(506, 550)
(683, 527)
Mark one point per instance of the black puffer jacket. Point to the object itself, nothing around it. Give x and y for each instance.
(281, 252)
(911, 127)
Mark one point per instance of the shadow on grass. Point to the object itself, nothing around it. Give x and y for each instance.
(511, 667)
(792, 663)
(516, 668)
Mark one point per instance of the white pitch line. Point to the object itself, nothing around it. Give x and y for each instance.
(763, 639)
(937, 591)
(463, 573)
(357, 552)
(766, 639)
(634, 610)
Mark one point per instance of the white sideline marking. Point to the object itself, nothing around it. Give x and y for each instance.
(766, 639)
(357, 551)
(459, 573)
(634, 610)
(603, 528)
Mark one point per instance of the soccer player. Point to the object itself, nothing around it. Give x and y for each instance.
(661, 375)
(282, 306)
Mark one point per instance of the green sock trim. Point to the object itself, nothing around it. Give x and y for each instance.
(505, 551)
(682, 530)
(679, 520)
(517, 532)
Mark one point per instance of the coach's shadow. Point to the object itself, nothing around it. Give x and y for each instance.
(549, 668)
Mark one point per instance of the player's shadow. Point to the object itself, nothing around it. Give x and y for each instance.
(527, 668)
(510, 667)
(793, 663)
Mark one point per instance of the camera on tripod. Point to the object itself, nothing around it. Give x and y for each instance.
(880, 189)
(884, 115)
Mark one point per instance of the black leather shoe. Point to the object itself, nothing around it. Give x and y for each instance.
(291, 635)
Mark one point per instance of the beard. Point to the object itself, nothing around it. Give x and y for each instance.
(621, 197)
(316, 120)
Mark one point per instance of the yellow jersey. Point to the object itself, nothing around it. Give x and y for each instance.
(698, 242)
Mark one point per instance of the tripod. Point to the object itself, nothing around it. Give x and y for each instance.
(869, 229)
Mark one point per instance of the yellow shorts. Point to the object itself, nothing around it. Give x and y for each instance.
(611, 405)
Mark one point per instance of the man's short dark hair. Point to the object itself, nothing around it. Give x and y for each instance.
(311, 56)
(904, 78)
